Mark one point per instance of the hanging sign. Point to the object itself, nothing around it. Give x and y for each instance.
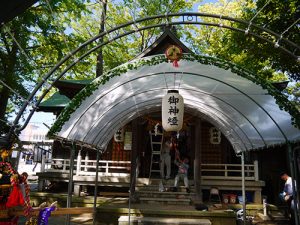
(172, 111)
(119, 135)
(215, 136)
(174, 54)
(128, 140)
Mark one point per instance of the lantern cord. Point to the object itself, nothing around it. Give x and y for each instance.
(166, 81)
(180, 81)
(174, 80)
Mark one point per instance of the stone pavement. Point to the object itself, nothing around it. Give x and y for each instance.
(83, 219)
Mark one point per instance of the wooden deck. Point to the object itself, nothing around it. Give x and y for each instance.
(227, 177)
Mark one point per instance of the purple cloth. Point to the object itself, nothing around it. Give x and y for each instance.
(44, 215)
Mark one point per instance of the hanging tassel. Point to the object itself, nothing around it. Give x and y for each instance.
(175, 63)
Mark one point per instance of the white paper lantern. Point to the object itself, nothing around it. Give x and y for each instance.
(172, 111)
(119, 135)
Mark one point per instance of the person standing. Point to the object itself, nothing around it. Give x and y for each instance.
(182, 173)
(287, 194)
(165, 159)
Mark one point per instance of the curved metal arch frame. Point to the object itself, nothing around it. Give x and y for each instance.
(215, 79)
(167, 16)
(150, 90)
(114, 126)
(211, 107)
(226, 103)
(211, 119)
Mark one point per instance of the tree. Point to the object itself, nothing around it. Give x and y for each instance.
(29, 46)
(250, 52)
(120, 12)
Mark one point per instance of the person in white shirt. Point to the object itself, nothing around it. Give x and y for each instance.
(287, 194)
(165, 159)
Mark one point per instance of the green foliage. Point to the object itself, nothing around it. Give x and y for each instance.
(281, 100)
(47, 33)
(30, 45)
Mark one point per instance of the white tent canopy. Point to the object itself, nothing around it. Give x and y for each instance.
(245, 113)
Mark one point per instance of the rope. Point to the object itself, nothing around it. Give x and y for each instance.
(56, 21)
(290, 27)
(221, 24)
(250, 22)
(6, 122)
(166, 81)
(6, 29)
(180, 81)
(259, 11)
(15, 92)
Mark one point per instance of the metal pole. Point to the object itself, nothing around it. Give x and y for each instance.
(296, 168)
(70, 186)
(243, 187)
(96, 187)
(295, 196)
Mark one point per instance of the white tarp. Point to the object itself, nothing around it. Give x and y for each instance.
(245, 113)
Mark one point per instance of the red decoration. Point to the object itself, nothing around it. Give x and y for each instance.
(174, 54)
(15, 198)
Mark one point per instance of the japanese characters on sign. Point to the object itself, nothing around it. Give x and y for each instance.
(172, 111)
(119, 135)
(215, 136)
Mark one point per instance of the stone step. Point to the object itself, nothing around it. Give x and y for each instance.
(169, 182)
(154, 188)
(278, 216)
(158, 194)
(168, 201)
(124, 220)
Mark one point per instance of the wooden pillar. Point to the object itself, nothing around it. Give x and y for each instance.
(134, 154)
(70, 184)
(197, 162)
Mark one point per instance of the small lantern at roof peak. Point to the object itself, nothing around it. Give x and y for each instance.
(172, 111)
(174, 54)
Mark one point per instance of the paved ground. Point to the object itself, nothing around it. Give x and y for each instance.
(85, 219)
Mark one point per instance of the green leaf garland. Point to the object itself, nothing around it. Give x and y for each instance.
(281, 99)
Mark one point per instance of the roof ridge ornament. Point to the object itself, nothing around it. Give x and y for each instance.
(174, 54)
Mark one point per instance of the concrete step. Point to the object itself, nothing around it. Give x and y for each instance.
(168, 201)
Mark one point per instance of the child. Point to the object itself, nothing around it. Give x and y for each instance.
(183, 167)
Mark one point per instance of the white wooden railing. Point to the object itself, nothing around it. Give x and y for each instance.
(88, 167)
(229, 171)
(122, 168)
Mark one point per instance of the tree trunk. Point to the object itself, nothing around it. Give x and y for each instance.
(99, 68)
(4, 95)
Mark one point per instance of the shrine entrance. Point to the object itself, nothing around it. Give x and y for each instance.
(234, 108)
